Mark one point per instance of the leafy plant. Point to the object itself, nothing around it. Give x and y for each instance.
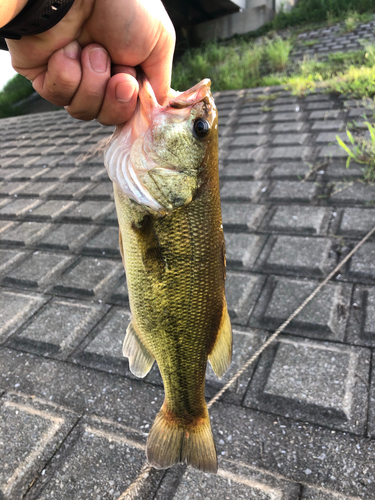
(351, 21)
(16, 89)
(362, 151)
(277, 52)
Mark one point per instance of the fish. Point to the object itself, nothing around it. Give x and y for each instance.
(164, 166)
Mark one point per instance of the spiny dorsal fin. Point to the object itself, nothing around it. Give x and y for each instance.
(221, 354)
(140, 359)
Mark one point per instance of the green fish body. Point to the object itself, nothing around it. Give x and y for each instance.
(172, 243)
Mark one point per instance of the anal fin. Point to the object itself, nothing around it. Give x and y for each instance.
(221, 355)
(140, 359)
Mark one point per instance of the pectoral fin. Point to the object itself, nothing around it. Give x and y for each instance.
(221, 354)
(140, 359)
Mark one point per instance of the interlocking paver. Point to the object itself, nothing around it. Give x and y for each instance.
(299, 422)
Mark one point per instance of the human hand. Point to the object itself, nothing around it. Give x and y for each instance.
(87, 61)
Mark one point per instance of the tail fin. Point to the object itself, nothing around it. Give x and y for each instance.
(170, 443)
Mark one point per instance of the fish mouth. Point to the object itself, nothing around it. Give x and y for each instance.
(200, 92)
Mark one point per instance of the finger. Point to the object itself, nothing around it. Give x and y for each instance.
(158, 66)
(59, 82)
(120, 99)
(96, 72)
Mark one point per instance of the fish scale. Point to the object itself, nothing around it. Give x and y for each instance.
(175, 268)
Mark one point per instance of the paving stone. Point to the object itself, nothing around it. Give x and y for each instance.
(281, 139)
(242, 217)
(338, 171)
(292, 191)
(328, 137)
(102, 349)
(362, 264)
(248, 140)
(289, 127)
(287, 117)
(325, 316)
(119, 295)
(296, 254)
(242, 249)
(89, 211)
(332, 151)
(19, 207)
(241, 190)
(313, 382)
(235, 481)
(9, 258)
(66, 237)
(251, 129)
(361, 328)
(16, 308)
(242, 291)
(251, 119)
(11, 188)
(356, 221)
(299, 219)
(332, 114)
(81, 389)
(103, 191)
(58, 173)
(38, 270)
(69, 190)
(358, 193)
(290, 170)
(104, 243)
(305, 453)
(34, 189)
(58, 327)
(243, 171)
(88, 277)
(336, 125)
(83, 462)
(246, 154)
(35, 429)
(290, 152)
(311, 493)
(24, 233)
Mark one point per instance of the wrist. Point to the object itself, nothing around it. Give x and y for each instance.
(10, 9)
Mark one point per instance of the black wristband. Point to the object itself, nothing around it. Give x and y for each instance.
(36, 17)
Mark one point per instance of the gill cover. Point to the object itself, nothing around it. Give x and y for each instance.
(155, 157)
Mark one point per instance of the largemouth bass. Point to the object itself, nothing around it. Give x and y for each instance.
(164, 166)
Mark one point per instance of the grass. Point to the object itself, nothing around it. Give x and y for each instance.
(16, 89)
(362, 151)
(231, 66)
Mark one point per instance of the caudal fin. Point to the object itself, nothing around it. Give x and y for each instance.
(170, 443)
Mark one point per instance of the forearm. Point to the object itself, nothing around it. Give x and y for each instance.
(9, 9)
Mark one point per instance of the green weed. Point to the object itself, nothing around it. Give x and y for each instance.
(362, 151)
(276, 52)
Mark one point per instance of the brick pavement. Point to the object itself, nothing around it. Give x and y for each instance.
(323, 41)
(299, 424)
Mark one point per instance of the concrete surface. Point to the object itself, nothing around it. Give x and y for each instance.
(299, 424)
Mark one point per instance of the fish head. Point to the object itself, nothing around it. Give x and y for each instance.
(158, 158)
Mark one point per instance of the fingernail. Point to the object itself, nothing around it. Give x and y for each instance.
(72, 50)
(124, 92)
(98, 60)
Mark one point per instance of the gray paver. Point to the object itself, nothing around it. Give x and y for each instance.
(39, 269)
(16, 308)
(34, 429)
(297, 219)
(300, 254)
(235, 481)
(325, 316)
(58, 328)
(321, 383)
(292, 191)
(298, 423)
(88, 277)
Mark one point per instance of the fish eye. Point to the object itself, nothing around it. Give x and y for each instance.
(201, 128)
